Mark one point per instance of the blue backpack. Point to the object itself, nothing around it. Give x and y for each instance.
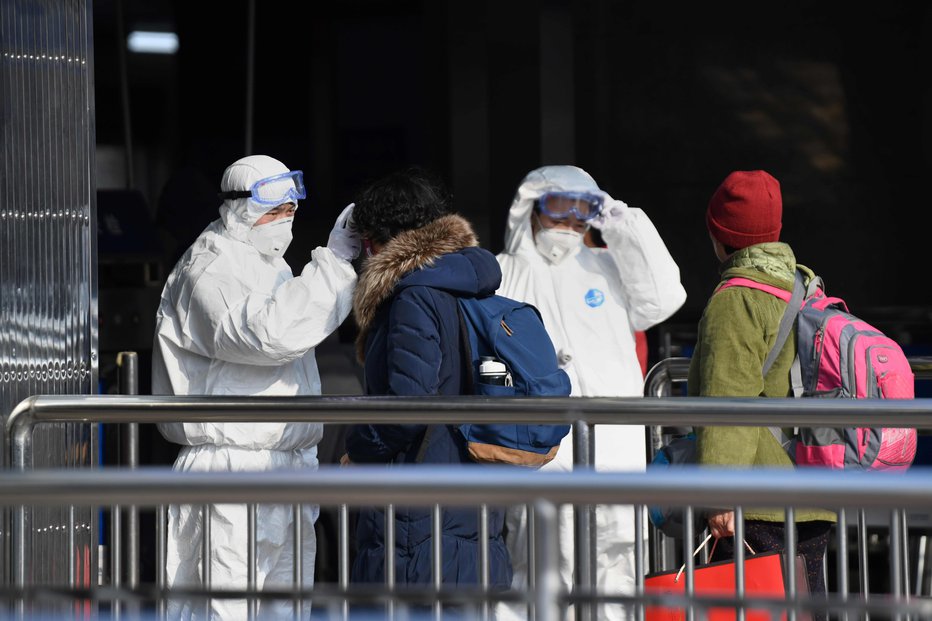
(511, 333)
(669, 520)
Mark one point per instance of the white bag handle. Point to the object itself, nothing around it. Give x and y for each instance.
(711, 553)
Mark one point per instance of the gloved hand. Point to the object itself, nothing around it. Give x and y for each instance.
(612, 213)
(344, 241)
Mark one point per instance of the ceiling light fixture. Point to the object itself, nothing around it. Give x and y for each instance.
(145, 42)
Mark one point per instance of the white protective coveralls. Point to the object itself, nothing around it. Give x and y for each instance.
(232, 321)
(592, 302)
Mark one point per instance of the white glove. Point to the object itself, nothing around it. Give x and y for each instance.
(612, 213)
(344, 241)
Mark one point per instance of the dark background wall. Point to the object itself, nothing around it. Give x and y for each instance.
(659, 101)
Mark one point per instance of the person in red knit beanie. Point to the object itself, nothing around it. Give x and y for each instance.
(746, 209)
(736, 333)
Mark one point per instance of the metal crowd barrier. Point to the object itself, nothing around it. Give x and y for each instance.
(471, 487)
(582, 412)
(669, 373)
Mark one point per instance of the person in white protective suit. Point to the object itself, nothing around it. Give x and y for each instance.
(592, 300)
(234, 320)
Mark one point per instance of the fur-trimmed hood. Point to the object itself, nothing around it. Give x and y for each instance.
(443, 255)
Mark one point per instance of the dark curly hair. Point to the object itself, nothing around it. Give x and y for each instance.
(401, 201)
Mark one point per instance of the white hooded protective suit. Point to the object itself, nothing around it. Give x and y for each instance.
(233, 321)
(592, 302)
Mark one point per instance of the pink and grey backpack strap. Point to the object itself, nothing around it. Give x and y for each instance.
(794, 303)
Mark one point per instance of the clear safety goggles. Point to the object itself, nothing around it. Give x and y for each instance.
(560, 205)
(272, 191)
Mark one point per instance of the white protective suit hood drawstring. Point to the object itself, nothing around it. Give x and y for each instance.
(518, 237)
(235, 212)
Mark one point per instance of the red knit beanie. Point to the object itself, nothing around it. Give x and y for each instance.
(746, 209)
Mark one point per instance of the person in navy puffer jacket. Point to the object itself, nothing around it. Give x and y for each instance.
(421, 258)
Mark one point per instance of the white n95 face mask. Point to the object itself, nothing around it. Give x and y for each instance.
(557, 244)
(272, 239)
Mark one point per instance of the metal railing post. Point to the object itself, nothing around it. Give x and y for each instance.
(709, 411)
(862, 558)
(583, 577)
(390, 556)
(842, 559)
(161, 569)
(689, 518)
(20, 438)
(128, 363)
(789, 544)
(660, 378)
(298, 556)
(251, 560)
(547, 561)
(739, 560)
(206, 554)
(639, 557)
(451, 486)
(116, 553)
(436, 533)
(895, 558)
(484, 559)
(343, 556)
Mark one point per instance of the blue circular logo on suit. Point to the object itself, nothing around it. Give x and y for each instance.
(595, 297)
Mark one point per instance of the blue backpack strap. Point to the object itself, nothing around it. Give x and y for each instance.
(469, 386)
(425, 442)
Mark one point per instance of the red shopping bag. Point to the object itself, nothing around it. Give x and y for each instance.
(764, 576)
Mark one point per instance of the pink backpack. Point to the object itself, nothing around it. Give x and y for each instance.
(840, 356)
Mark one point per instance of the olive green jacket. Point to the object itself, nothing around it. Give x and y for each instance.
(736, 333)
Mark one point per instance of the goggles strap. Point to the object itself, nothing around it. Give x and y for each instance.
(234, 194)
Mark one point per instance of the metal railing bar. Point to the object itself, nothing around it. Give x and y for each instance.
(460, 596)
(465, 487)
(921, 608)
(880, 604)
(680, 411)
(660, 378)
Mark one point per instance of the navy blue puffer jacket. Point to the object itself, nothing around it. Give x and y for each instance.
(409, 340)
